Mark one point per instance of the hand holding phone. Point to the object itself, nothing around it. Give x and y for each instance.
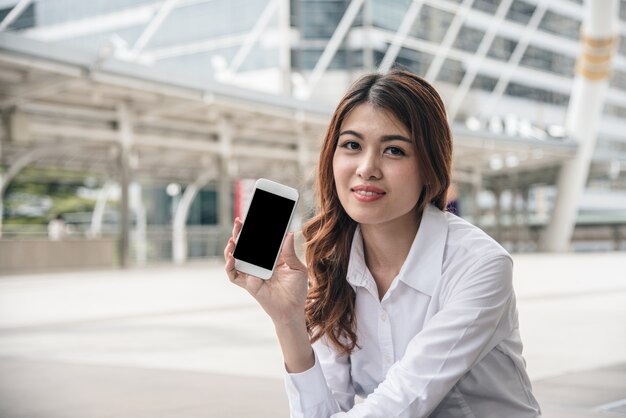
(284, 296)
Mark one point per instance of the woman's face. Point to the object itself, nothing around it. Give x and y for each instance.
(375, 167)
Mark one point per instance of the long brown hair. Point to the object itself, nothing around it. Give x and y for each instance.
(415, 103)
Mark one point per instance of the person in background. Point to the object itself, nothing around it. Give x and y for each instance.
(453, 200)
(57, 228)
(402, 304)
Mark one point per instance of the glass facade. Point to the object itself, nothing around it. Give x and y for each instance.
(201, 37)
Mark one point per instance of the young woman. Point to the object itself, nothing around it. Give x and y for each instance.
(403, 305)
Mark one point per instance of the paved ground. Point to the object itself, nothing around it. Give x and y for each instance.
(183, 342)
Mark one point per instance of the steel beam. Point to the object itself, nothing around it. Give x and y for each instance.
(400, 36)
(472, 70)
(15, 12)
(253, 36)
(333, 44)
(516, 57)
(448, 40)
(154, 25)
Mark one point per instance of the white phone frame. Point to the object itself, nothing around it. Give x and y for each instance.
(280, 190)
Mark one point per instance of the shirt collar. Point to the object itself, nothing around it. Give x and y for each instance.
(422, 268)
(357, 274)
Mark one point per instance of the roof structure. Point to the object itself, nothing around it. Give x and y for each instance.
(71, 107)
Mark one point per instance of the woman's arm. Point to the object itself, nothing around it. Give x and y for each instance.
(282, 297)
(324, 389)
(295, 345)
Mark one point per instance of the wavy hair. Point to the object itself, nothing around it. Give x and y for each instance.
(414, 102)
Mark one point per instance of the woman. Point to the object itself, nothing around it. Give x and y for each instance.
(403, 305)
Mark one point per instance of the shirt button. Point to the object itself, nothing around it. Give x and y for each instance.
(383, 316)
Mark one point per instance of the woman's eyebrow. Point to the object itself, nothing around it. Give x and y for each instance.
(385, 138)
(351, 132)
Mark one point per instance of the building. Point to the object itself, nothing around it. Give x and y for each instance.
(506, 70)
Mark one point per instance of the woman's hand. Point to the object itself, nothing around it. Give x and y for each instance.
(282, 296)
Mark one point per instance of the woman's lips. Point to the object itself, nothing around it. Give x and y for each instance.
(367, 193)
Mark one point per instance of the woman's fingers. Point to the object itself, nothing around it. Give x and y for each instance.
(289, 256)
(233, 275)
(237, 227)
(230, 247)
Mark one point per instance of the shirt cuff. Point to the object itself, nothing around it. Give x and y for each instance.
(307, 389)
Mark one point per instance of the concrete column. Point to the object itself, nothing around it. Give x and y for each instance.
(179, 226)
(1, 202)
(526, 216)
(477, 180)
(306, 174)
(139, 233)
(497, 192)
(125, 130)
(585, 110)
(284, 16)
(95, 230)
(2, 183)
(516, 219)
(225, 182)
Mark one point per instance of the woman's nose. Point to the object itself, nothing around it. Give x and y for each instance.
(369, 167)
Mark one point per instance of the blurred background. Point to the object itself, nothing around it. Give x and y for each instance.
(132, 132)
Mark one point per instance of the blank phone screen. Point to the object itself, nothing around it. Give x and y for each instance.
(263, 229)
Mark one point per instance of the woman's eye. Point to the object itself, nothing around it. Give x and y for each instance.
(395, 151)
(351, 145)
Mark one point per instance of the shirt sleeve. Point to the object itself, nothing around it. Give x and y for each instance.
(469, 325)
(324, 389)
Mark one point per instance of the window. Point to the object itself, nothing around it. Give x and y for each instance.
(24, 21)
(540, 95)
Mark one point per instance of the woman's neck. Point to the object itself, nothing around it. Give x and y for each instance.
(387, 246)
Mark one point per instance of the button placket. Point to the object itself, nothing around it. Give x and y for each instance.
(385, 339)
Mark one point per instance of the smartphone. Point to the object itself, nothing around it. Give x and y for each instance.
(261, 237)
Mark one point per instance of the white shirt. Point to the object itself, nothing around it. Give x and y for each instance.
(443, 342)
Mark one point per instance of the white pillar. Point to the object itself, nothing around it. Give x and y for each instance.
(224, 183)
(125, 131)
(139, 233)
(95, 229)
(584, 113)
(284, 54)
(1, 202)
(497, 193)
(305, 169)
(179, 226)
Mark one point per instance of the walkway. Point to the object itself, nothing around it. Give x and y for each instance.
(183, 342)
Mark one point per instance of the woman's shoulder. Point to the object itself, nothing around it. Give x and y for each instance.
(473, 259)
(468, 241)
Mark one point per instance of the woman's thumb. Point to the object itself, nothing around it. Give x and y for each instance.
(289, 253)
